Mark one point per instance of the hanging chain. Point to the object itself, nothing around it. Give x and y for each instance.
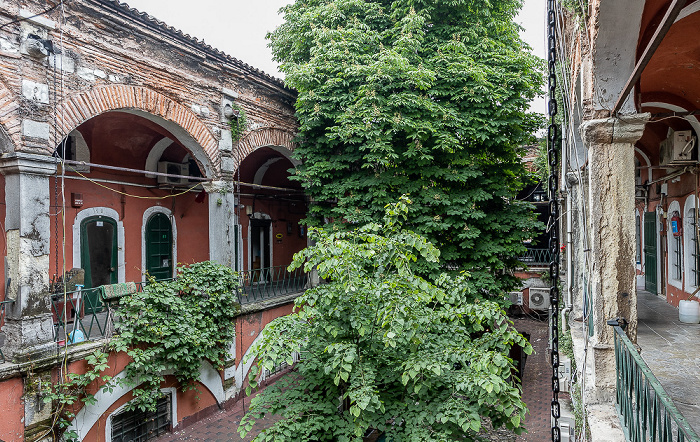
(552, 136)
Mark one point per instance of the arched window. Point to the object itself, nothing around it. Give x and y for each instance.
(158, 249)
(690, 237)
(675, 248)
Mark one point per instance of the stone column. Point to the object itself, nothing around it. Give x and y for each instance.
(222, 223)
(28, 322)
(610, 144)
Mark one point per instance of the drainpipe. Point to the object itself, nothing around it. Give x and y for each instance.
(569, 242)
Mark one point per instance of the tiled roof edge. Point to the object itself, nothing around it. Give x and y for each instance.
(153, 22)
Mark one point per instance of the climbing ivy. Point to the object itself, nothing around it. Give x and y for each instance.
(71, 389)
(239, 124)
(172, 326)
(383, 348)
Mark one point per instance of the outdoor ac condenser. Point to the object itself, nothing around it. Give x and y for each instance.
(172, 169)
(539, 298)
(516, 298)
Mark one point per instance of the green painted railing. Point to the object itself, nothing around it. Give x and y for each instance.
(536, 257)
(84, 310)
(646, 411)
(270, 282)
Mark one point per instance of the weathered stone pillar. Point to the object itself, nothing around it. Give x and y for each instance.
(28, 322)
(610, 144)
(223, 223)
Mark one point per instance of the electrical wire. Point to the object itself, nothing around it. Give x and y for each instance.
(132, 195)
(46, 11)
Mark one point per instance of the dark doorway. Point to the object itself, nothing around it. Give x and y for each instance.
(650, 252)
(98, 253)
(260, 243)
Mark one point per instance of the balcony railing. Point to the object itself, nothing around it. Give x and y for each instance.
(646, 411)
(536, 257)
(82, 315)
(270, 282)
(87, 312)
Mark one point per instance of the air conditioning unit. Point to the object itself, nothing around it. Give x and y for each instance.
(539, 298)
(567, 427)
(173, 169)
(678, 149)
(516, 298)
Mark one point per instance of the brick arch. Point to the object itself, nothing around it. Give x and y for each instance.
(10, 125)
(80, 107)
(265, 137)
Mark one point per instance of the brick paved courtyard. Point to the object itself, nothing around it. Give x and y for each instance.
(222, 425)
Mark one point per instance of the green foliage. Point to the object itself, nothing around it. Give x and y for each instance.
(172, 326)
(541, 164)
(71, 390)
(238, 125)
(420, 98)
(383, 348)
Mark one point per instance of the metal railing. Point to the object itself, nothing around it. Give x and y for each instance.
(270, 282)
(647, 413)
(536, 257)
(82, 315)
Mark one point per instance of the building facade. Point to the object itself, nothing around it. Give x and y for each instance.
(118, 161)
(629, 173)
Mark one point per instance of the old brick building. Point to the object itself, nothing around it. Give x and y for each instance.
(140, 114)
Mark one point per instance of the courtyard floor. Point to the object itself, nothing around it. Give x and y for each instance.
(222, 425)
(672, 351)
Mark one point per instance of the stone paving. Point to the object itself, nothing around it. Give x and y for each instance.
(222, 425)
(672, 351)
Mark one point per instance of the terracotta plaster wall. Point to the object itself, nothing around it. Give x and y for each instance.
(190, 218)
(248, 327)
(12, 410)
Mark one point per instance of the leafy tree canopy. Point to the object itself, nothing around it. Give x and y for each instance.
(425, 98)
(383, 348)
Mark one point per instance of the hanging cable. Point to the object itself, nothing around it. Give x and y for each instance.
(552, 137)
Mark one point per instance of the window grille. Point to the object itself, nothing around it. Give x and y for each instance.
(140, 426)
(637, 232)
(694, 254)
(677, 259)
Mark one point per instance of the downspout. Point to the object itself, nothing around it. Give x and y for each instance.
(569, 240)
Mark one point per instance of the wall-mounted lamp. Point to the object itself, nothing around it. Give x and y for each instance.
(230, 112)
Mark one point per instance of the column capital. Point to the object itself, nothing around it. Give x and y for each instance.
(626, 129)
(218, 186)
(27, 163)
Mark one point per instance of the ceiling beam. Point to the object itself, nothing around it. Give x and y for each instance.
(669, 18)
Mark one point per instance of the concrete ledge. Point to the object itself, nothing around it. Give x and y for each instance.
(267, 304)
(75, 352)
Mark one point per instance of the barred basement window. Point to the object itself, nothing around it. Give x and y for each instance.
(140, 426)
(283, 366)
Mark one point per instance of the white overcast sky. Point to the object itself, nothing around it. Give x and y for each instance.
(238, 27)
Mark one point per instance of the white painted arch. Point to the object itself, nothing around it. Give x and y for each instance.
(108, 213)
(89, 415)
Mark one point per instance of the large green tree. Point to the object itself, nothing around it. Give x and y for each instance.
(425, 98)
(382, 348)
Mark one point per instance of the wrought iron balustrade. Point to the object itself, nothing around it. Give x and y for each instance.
(536, 257)
(270, 282)
(647, 413)
(85, 312)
